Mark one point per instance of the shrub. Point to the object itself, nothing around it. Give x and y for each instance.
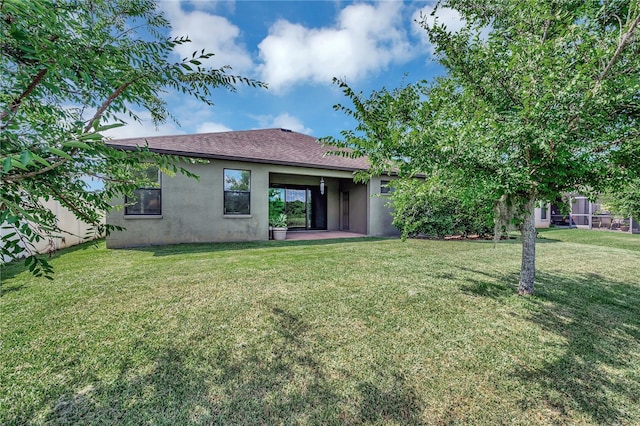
(425, 208)
(279, 221)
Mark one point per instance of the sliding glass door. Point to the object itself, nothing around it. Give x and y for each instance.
(295, 207)
(305, 207)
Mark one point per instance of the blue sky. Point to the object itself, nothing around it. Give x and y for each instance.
(296, 47)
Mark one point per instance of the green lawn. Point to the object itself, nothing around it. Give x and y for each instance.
(372, 331)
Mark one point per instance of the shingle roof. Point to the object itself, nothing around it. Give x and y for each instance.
(271, 146)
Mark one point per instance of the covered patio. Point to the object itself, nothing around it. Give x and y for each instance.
(582, 213)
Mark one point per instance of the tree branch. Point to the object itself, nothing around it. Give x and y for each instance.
(624, 40)
(15, 104)
(108, 102)
(27, 245)
(15, 178)
(108, 179)
(547, 24)
(70, 205)
(97, 115)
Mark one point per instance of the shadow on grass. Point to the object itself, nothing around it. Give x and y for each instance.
(179, 249)
(397, 403)
(6, 289)
(488, 285)
(279, 379)
(599, 319)
(16, 267)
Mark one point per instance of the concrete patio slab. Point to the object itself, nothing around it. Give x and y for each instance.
(321, 235)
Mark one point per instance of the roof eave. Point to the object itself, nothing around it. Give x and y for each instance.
(238, 158)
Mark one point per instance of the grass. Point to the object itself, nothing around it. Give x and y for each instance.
(363, 331)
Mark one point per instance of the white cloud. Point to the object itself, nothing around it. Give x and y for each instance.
(365, 38)
(211, 5)
(193, 117)
(451, 19)
(211, 127)
(206, 31)
(283, 121)
(145, 128)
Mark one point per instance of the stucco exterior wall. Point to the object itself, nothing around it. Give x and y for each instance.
(380, 219)
(358, 205)
(192, 210)
(540, 222)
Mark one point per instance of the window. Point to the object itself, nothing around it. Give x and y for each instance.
(543, 212)
(146, 200)
(385, 188)
(237, 191)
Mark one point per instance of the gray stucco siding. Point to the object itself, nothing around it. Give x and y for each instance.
(193, 212)
(380, 219)
(358, 205)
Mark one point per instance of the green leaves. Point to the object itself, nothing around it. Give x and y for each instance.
(435, 209)
(59, 152)
(62, 61)
(26, 158)
(39, 267)
(539, 99)
(12, 162)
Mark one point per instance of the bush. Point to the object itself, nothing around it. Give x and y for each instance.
(424, 208)
(279, 221)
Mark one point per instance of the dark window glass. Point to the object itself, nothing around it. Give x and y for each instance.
(384, 187)
(236, 202)
(147, 200)
(543, 213)
(237, 191)
(144, 201)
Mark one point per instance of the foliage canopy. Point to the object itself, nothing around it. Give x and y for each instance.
(71, 70)
(540, 98)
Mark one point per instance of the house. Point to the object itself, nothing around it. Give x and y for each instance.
(230, 201)
(579, 212)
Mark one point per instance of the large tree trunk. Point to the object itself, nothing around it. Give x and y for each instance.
(528, 268)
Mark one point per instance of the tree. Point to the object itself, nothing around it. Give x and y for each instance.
(540, 98)
(71, 70)
(624, 200)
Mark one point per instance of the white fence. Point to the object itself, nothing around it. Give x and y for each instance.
(74, 231)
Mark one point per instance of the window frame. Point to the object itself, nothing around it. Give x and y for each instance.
(385, 189)
(136, 193)
(226, 191)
